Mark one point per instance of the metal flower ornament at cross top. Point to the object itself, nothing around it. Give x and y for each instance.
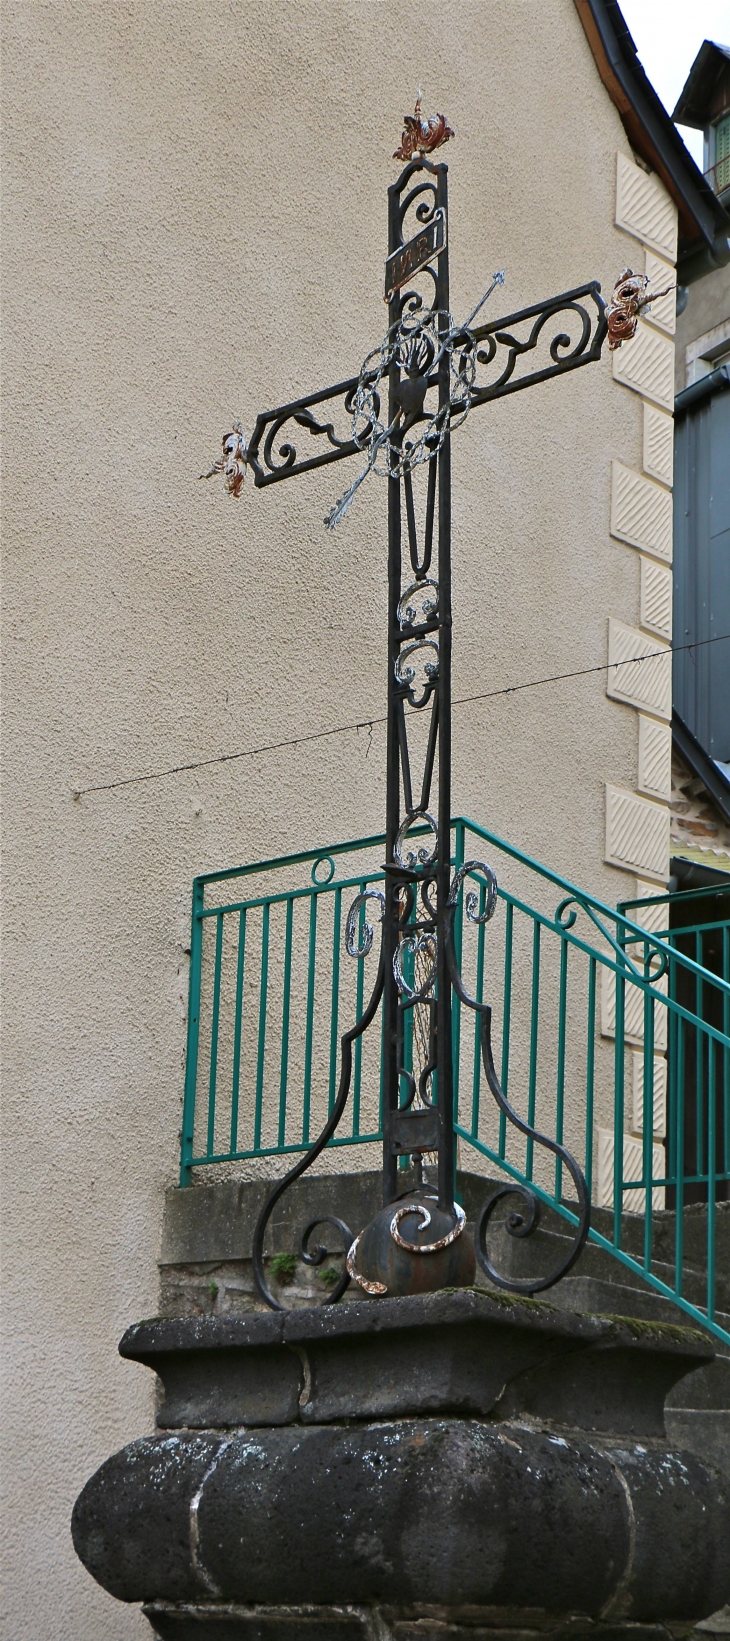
(631, 295)
(422, 136)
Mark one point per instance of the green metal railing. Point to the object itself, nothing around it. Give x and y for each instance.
(611, 1033)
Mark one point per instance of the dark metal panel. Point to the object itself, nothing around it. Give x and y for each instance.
(702, 573)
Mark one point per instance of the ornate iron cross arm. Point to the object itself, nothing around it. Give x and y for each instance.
(397, 416)
(503, 346)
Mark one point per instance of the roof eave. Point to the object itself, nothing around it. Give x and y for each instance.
(710, 59)
(648, 125)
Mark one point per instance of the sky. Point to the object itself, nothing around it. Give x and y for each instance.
(668, 35)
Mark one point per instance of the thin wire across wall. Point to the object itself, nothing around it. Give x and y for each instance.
(369, 723)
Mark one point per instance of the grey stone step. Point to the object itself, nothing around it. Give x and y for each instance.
(208, 1222)
(543, 1250)
(207, 1234)
(718, 1624)
(707, 1388)
(694, 1220)
(474, 1190)
(590, 1296)
(702, 1431)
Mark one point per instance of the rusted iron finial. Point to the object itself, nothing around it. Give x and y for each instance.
(630, 297)
(232, 464)
(422, 136)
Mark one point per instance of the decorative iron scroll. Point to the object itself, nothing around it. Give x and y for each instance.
(316, 1255)
(516, 1224)
(286, 459)
(565, 352)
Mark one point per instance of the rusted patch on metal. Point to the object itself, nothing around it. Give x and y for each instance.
(370, 1287)
(630, 296)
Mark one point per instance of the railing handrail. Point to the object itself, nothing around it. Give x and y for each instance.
(678, 894)
(295, 860)
(710, 175)
(588, 900)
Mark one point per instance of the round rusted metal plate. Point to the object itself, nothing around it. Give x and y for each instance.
(406, 1270)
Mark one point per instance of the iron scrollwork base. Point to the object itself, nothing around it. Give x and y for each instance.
(516, 1224)
(316, 1254)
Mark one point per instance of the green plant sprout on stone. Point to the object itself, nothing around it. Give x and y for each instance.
(330, 1275)
(284, 1268)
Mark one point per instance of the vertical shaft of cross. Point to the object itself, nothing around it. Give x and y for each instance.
(391, 1031)
(436, 875)
(444, 1076)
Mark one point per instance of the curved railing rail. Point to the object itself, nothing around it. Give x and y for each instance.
(611, 1034)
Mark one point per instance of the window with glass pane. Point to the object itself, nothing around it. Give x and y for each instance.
(722, 154)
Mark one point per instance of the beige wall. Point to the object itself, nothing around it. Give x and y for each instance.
(195, 227)
(707, 310)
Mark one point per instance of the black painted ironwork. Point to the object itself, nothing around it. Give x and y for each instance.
(434, 373)
(503, 348)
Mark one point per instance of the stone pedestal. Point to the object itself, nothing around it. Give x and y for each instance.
(456, 1464)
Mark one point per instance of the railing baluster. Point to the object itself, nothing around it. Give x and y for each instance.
(285, 1005)
(534, 1027)
(236, 1082)
(479, 994)
(560, 1082)
(647, 1114)
(381, 1082)
(260, 1058)
(699, 1065)
(590, 1071)
(335, 1014)
(726, 1050)
(309, 1029)
(711, 1209)
(679, 1149)
(459, 853)
(671, 1059)
(406, 1018)
(618, 1097)
(193, 1036)
(357, 1060)
(506, 1021)
(210, 1142)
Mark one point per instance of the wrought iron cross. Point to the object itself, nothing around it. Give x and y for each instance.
(433, 372)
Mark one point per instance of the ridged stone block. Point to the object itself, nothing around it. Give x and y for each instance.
(659, 1108)
(645, 209)
(640, 670)
(633, 1010)
(641, 512)
(634, 1202)
(661, 274)
(658, 453)
(646, 365)
(654, 917)
(637, 833)
(655, 758)
(656, 597)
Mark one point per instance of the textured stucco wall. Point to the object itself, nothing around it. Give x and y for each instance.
(708, 305)
(194, 228)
